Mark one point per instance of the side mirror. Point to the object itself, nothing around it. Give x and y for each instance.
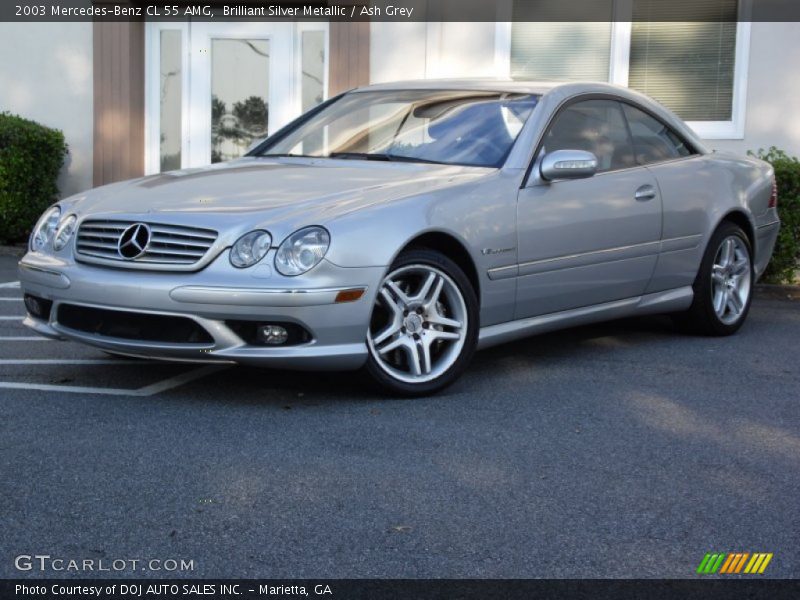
(568, 164)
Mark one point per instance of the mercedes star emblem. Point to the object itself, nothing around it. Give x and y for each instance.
(133, 241)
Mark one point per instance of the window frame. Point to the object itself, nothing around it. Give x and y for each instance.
(302, 27)
(152, 93)
(619, 65)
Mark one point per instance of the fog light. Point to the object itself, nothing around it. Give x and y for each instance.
(38, 307)
(273, 335)
(33, 306)
(277, 333)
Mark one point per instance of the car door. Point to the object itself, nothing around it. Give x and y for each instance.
(678, 168)
(587, 241)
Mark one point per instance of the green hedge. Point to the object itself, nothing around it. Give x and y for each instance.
(784, 264)
(31, 156)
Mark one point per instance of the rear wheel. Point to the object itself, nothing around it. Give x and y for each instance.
(724, 286)
(424, 325)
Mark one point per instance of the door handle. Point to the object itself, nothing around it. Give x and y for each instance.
(646, 192)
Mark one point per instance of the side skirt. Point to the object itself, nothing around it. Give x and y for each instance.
(659, 302)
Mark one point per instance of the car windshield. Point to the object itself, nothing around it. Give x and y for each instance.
(474, 128)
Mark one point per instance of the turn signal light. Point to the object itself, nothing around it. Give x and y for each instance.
(349, 295)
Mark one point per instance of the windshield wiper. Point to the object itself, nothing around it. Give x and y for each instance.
(382, 156)
(285, 155)
(359, 155)
(401, 158)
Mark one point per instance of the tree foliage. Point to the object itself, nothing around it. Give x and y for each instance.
(784, 264)
(31, 157)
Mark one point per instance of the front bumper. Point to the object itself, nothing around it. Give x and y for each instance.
(211, 297)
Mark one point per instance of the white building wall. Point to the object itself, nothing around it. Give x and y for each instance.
(397, 51)
(46, 75)
(772, 116)
(426, 50)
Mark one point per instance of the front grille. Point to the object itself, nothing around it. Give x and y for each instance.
(169, 244)
(141, 327)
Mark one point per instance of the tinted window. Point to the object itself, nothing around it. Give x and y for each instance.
(595, 126)
(652, 140)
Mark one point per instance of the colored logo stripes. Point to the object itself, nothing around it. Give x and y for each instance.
(734, 562)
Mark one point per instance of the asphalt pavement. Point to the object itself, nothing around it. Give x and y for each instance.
(620, 450)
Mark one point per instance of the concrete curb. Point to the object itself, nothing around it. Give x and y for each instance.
(12, 250)
(791, 292)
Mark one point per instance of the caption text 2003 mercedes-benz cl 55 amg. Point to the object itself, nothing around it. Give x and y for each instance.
(401, 227)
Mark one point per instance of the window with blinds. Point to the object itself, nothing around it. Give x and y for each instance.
(552, 50)
(682, 52)
(686, 65)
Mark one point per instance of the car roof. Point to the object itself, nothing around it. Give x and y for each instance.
(481, 84)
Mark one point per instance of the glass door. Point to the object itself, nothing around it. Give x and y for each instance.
(241, 87)
(239, 95)
(213, 88)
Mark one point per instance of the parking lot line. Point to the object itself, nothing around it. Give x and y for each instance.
(172, 382)
(12, 318)
(10, 284)
(59, 361)
(148, 390)
(10, 299)
(24, 338)
(75, 389)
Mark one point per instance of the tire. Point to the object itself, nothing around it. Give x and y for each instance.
(424, 325)
(723, 289)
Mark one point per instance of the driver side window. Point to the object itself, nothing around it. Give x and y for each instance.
(596, 126)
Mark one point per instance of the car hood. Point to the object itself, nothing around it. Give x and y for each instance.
(291, 188)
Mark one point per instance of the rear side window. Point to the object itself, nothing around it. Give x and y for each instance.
(652, 140)
(596, 126)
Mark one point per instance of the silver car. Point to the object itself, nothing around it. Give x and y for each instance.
(401, 227)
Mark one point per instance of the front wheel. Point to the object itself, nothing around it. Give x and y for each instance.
(424, 325)
(724, 286)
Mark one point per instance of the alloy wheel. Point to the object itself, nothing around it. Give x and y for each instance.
(730, 279)
(419, 324)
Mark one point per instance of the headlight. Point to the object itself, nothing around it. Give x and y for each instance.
(64, 232)
(45, 228)
(250, 248)
(302, 251)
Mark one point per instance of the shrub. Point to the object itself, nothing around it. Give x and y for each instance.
(31, 156)
(783, 266)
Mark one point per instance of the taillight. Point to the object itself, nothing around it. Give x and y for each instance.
(773, 199)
